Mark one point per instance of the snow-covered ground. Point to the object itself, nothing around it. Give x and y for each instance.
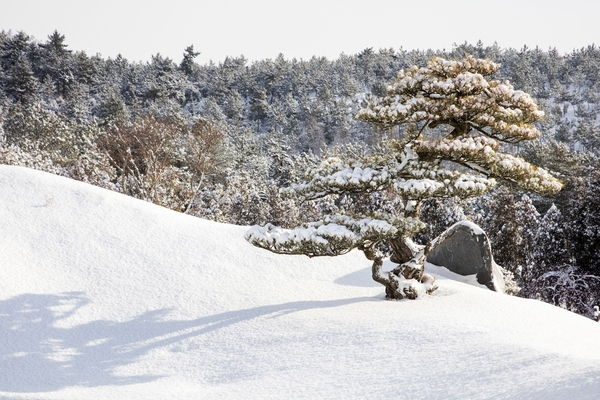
(106, 297)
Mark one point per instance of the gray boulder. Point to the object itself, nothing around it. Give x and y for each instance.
(465, 249)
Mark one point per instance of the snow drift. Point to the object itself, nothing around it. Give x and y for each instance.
(103, 296)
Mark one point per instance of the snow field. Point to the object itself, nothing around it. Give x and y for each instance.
(103, 296)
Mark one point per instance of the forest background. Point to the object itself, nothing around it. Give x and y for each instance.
(218, 141)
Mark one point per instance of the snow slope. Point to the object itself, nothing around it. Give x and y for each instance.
(103, 296)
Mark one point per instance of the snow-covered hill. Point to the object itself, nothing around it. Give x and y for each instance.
(103, 296)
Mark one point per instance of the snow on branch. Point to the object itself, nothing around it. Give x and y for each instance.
(479, 154)
(463, 186)
(335, 235)
(457, 93)
(337, 176)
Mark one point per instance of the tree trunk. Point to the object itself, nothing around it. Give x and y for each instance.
(401, 251)
(410, 257)
(397, 282)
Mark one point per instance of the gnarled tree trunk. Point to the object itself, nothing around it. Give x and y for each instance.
(397, 282)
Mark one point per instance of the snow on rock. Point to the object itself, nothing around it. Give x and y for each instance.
(103, 296)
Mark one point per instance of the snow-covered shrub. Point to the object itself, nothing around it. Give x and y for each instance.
(162, 161)
(28, 154)
(512, 227)
(511, 287)
(568, 287)
(241, 200)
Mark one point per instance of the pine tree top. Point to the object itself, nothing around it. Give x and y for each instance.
(459, 94)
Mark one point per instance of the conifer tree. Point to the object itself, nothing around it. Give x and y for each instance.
(56, 63)
(187, 64)
(528, 222)
(56, 44)
(19, 81)
(457, 119)
(584, 221)
(12, 48)
(504, 224)
(551, 247)
(281, 166)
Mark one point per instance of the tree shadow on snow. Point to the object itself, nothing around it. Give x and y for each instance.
(361, 278)
(37, 356)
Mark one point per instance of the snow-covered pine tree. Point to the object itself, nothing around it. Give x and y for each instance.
(556, 278)
(188, 65)
(457, 119)
(551, 247)
(583, 229)
(528, 221)
(500, 223)
(19, 82)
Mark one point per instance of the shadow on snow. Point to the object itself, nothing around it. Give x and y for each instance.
(36, 356)
(361, 278)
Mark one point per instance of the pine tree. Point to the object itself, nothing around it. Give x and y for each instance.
(584, 221)
(56, 44)
(502, 228)
(281, 166)
(19, 81)
(187, 65)
(528, 221)
(86, 68)
(551, 246)
(457, 117)
(56, 62)
(112, 109)
(259, 106)
(13, 48)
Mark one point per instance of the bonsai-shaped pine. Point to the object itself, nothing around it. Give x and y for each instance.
(456, 119)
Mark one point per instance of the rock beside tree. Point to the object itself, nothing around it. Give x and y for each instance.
(466, 250)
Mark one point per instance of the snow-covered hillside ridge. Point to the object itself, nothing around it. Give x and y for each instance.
(103, 296)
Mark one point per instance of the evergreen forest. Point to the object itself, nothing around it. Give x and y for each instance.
(219, 141)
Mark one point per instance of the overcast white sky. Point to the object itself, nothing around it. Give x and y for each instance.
(260, 29)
